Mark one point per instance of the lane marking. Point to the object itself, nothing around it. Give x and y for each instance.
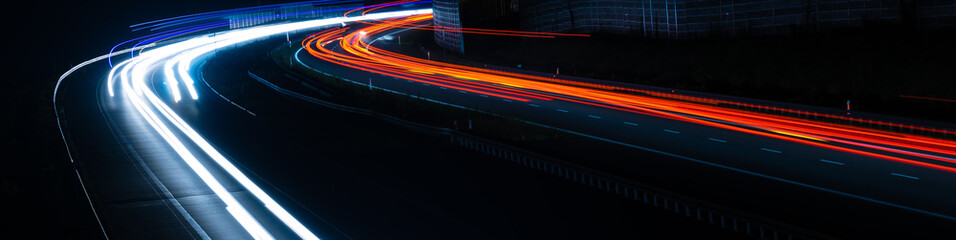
(717, 140)
(203, 78)
(484, 96)
(671, 131)
(443, 88)
(506, 100)
(906, 176)
(802, 184)
(832, 162)
(462, 91)
(562, 110)
(534, 105)
(592, 116)
(630, 123)
(770, 150)
(798, 183)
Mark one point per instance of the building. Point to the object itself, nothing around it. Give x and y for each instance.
(446, 15)
(681, 19)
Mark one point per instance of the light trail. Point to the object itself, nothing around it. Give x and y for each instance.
(211, 20)
(880, 144)
(174, 61)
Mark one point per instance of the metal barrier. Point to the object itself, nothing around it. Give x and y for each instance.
(732, 220)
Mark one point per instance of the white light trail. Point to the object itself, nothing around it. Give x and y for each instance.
(176, 61)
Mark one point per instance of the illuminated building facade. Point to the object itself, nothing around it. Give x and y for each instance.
(446, 15)
(687, 19)
(681, 19)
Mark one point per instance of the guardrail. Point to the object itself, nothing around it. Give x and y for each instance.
(706, 213)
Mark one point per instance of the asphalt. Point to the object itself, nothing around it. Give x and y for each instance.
(870, 184)
(344, 176)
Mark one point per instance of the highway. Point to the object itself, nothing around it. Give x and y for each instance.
(892, 169)
(164, 151)
(131, 107)
(159, 140)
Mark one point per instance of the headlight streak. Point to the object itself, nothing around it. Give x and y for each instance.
(109, 78)
(151, 38)
(154, 24)
(232, 206)
(873, 143)
(178, 57)
(160, 24)
(171, 82)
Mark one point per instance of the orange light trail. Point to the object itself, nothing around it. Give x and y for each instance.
(881, 144)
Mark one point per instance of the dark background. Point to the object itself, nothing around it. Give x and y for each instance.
(42, 40)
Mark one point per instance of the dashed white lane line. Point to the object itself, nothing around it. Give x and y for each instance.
(484, 96)
(534, 105)
(506, 100)
(671, 131)
(596, 117)
(630, 123)
(443, 88)
(462, 91)
(562, 110)
(770, 150)
(832, 162)
(906, 176)
(717, 140)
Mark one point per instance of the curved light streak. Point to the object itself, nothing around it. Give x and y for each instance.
(880, 144)
(175, 61)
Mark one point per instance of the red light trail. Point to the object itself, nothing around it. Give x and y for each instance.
(887, 145)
